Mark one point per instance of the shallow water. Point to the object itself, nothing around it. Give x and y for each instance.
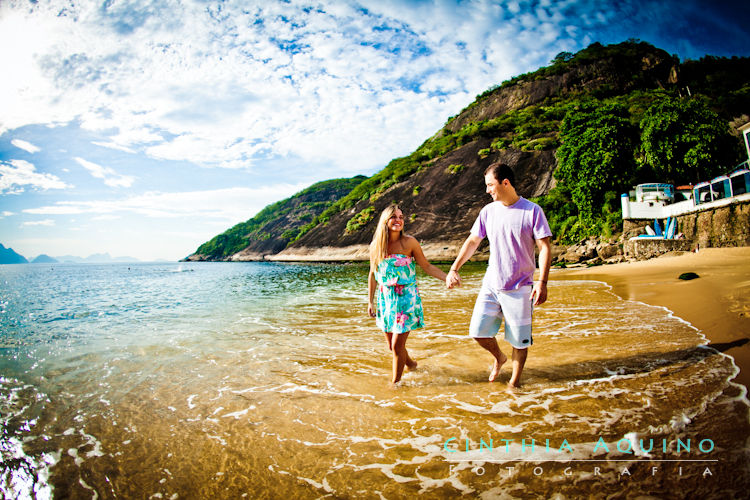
(266, 380)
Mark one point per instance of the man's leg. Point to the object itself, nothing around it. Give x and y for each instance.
(519, 359)
(518, 310)
(490, 344)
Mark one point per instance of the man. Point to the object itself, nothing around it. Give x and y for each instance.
(512, 225)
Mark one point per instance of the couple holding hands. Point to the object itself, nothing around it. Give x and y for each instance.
(513, 226)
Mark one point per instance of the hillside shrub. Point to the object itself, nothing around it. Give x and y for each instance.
(596, 156)
(455, 169)
(683, 141)
(360, 220)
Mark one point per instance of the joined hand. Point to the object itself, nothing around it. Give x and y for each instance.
(453, 279)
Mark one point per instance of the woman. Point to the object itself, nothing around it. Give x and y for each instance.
(394, 275)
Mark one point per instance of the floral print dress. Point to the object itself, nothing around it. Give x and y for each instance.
(399, 304)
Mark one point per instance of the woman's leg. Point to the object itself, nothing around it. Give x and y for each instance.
(389, 339)
(411, 365)
(399, 355)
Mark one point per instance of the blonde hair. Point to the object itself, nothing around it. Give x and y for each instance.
(381, 238)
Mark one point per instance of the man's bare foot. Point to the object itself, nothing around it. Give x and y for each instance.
(496, 367)
(410, 367)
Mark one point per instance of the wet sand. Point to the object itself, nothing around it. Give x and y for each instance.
(717, 303)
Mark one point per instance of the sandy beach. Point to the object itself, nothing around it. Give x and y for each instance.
(717, 302)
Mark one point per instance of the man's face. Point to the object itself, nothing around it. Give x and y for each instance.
(494, 188)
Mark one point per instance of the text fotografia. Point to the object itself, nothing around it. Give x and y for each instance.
(622, 471)
(624, 445)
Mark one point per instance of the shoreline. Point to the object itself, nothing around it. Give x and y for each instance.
(435, 251)
(717, 302)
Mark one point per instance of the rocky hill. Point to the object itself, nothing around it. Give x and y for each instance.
(271, 230)
(596, 70)
(440, 186)
(440, 201)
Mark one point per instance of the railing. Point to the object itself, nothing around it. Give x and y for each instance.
(725, 186)
(731, 185)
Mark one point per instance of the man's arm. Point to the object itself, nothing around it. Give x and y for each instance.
(467, 250)
(539, 293)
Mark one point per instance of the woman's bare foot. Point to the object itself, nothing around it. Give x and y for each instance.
(496, 366)
(513, 389)
(410, 367)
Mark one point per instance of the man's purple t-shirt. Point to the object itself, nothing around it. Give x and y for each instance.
(512, 232)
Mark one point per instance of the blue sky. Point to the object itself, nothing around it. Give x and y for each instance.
(145, 127)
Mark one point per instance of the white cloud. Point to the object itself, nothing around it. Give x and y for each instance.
(110, 177)
(180, 85)
(6, 213)
(114, 145)
(345, 82)
(225, 205)
(26, 146)
(15, 175)
(45, 222)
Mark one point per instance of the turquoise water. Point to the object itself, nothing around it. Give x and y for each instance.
(268, 380)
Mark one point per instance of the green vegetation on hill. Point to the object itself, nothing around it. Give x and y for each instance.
(610, 145)
(369, 189)
(272, 223)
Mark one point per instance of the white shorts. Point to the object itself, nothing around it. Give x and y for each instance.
(494, 305)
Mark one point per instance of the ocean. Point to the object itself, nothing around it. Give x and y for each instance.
(269, 380)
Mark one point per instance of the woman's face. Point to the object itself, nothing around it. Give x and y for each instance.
(396, 221)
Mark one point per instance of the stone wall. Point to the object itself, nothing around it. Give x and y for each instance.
(646, 248)
(727, 226)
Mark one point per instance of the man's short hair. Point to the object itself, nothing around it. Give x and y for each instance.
(501, 171)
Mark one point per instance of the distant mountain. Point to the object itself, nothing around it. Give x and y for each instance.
(8, 256)
(97, 258)
(105, 257)
(68, 259)
(44, 259)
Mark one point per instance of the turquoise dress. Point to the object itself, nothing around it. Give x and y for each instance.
(399, 304)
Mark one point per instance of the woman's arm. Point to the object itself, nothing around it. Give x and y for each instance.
(418, 255)
(371, 284)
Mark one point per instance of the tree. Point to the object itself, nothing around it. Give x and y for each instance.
(683, 141)
(596, 155)
(562, 57)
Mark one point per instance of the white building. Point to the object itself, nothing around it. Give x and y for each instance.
(659, 201)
